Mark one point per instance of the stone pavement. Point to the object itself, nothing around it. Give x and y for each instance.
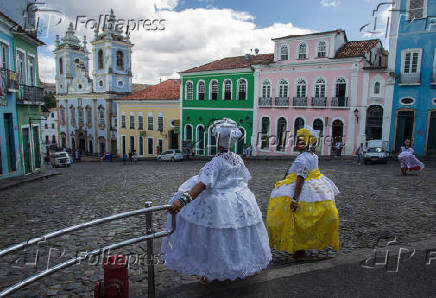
(15, 181)
(375, 203)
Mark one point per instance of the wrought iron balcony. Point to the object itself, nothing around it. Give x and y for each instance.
(282, 102)
(340, 101)
(30, 95)
(410, 78)
(300, 102)
(319, 101)
(10, 79)
(265, 101)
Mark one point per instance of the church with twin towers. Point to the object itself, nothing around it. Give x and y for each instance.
(86, 105)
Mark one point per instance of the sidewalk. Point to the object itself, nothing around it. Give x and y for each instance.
(15, 181)
(343, 276)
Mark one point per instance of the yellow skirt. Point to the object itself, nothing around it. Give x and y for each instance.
(313, 226)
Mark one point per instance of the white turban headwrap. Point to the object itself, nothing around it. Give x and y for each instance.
(227, 132)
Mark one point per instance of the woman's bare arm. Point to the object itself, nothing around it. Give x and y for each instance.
(297, 191)
(194, 192)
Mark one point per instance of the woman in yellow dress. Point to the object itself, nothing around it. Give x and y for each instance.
(302, 213)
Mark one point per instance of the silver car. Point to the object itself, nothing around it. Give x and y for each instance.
(60, 159)
(171, 155)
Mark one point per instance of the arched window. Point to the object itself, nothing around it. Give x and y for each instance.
(227, 89)
(188, 132)
(150, 121)
(61, 66)
(341, 90)
(200, 140)
(214, 90)
(81, 116)
(337, 131)
(298, 124)
(160, 122)
(53, 139)
(322, 49)
(101, 116)
(377, 88)
(120, 60)
(281, 134)
(88, 116)
(302, 51)
(100, 59)
(284, 52)
(301, 90)
(242, 89)
(132, 120)
(283, 88)
(265, 133)
(201, 90)
(62, 112)
(123, 121)
(318, 125)
(212, 146)
(73, 116)
(189, 91)
(266, 89)
(52, 125)
(320, 88)
(140, 121)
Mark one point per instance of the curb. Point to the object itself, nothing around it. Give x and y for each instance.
(27, 180)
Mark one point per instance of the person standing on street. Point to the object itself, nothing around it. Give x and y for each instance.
(359, 152)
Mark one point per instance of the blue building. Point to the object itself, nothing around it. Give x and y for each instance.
(10, 161)
(86, 106)
(413, 60)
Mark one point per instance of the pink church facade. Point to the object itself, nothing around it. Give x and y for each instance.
(322, 80)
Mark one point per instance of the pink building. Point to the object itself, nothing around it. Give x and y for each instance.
(325, 81)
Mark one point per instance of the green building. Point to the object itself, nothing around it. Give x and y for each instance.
(29, 101)
(222, 88)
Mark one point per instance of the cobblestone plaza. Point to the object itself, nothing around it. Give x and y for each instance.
(375, 202)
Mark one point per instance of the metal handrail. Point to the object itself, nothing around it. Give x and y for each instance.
(73, 261)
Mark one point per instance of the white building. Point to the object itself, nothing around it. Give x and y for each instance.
(49, 130)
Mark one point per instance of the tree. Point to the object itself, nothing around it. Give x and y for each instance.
(49, 101)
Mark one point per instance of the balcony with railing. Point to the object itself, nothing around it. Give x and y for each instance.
(265, 102)
(319, 102)
(410, 78)
(282, 101)
(339, 102)
(300, 102)
(10, 79)
(31, 95)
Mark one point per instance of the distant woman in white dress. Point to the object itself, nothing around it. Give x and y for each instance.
(220, 234)
(408, 159)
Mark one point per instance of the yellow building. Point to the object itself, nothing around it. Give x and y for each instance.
(149, 120)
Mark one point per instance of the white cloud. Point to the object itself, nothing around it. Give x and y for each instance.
(46, 66)
(330, 3)
(191, 37)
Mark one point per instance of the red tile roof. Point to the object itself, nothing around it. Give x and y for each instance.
(337, 31)
(167, 90)
(233, 62)
(356, 48)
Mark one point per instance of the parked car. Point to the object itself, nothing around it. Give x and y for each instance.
(171, 155)
(376, 151)
(58, 159)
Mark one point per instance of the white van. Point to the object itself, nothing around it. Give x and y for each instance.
(58, 159)
(376, 151)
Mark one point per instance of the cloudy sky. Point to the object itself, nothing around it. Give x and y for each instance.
(199, 31)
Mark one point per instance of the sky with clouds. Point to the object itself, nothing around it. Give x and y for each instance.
(199, 31)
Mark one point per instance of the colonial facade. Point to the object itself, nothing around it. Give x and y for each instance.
(20, 96)
(222, 88)
(325, 81)
(413, 62)
(49, 130)
(149, 120)
(87, 112)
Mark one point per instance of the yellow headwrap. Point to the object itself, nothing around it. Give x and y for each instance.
(308, 135)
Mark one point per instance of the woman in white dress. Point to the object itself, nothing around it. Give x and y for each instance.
(220, 234)
(302, 213)
(408, 159)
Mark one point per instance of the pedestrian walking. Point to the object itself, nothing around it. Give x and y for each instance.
(408, 160)
(220, 233)
(76, 155)
(359, 153)
(130, 157)
(302, 213)
(134, 156)
(124, 158)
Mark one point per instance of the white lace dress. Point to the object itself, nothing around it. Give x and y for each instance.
(221, 234)
(408, 160)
